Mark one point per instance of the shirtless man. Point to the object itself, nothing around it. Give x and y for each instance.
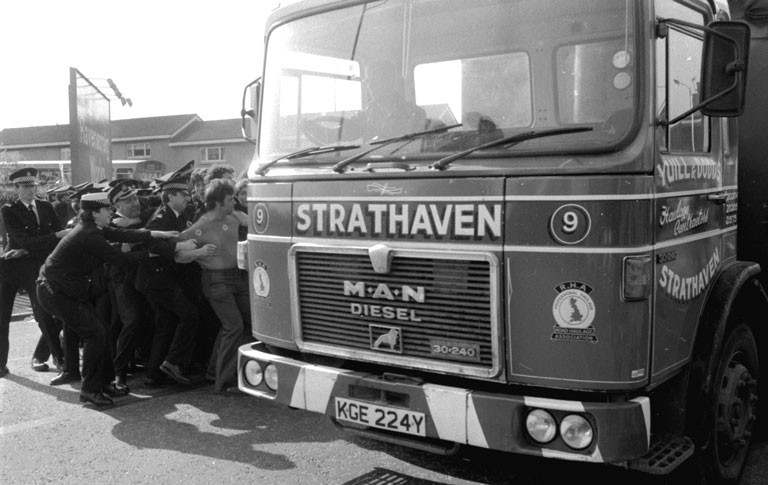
(224, 284)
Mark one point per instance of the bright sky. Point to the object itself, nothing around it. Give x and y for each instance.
(169, 56)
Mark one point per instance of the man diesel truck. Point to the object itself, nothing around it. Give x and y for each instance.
(535, 226)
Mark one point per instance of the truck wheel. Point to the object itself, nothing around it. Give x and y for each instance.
(732, 410)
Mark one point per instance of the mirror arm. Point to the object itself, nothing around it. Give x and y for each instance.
(737, 65)
(733, 67)
(682, 116)
(662, 31)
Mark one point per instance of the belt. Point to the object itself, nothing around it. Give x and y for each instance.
(234, 270)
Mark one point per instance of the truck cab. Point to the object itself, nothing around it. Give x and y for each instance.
(510, 225)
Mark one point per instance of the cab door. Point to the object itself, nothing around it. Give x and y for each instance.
(695, 177)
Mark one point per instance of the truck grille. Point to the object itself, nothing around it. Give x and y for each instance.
(456, 312)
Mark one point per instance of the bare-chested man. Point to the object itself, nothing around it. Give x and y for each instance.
(224, 284)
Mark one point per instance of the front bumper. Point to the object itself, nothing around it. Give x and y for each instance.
(487, 420)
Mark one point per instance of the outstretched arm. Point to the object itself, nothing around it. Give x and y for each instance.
(189, 255)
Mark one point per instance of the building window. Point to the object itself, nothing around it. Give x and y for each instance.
(138, 150)
(213, 154)
(122, 173)
(65, 153)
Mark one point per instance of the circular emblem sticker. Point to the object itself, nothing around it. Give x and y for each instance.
(225, 227)
(260, 218)
(199, 232)
(574, 312)
(570, 224)
(260, 280)
(573, 309)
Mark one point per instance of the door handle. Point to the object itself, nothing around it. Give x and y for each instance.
(718, 198)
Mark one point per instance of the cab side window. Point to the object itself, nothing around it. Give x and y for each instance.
(678, 78)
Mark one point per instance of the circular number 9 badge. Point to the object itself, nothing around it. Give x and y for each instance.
(260, 218)
(570, 224)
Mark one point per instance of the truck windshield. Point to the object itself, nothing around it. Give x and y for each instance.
(381, 69)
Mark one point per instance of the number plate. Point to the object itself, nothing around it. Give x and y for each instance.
(384, 417)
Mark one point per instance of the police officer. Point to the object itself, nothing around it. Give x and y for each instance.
(62, 204)
(33, 231)
(64, 282)
(133, 311)
(177, 317)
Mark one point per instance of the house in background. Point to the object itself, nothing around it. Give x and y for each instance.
(172, 140)
(215, 142)
(150, 138)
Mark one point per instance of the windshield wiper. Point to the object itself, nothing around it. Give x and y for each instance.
(304, 152)
(507, 141)
(382, 143)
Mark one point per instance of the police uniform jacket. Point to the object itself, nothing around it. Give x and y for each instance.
(64, 210)
(119, 273)
(70, 266)
(24, 232)
(159, 271)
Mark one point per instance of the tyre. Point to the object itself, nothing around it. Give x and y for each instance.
(731, 411)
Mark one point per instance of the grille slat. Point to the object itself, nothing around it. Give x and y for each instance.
(456, 307)
(463, 306)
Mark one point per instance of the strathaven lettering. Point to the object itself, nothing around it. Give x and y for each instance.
(429, 220)
(684, 289)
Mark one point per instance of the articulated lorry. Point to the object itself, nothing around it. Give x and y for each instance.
(534, 226)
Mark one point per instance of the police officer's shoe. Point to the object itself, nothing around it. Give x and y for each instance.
(120, 381)
(4, 371)
(39, 366)
(158, 380)
(115, 390)
(65, 377)
(96, 398)
(58, 362)
(175, 373)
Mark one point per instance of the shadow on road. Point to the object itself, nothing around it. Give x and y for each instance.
(221, 428)
(63, 393)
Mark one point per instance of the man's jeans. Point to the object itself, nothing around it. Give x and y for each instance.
(227, 291)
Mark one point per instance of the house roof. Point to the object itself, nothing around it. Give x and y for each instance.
(157, 126)
(138, 128)
(35, 135)
(216, 130)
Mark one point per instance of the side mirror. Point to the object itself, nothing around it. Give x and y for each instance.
(251, 95)
(724, 68)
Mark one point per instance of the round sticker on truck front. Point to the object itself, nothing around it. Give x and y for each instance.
(570, 224)
(260, 280)
(574, 311)
(260, 218)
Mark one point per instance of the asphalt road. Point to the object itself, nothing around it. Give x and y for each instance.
(190, 435)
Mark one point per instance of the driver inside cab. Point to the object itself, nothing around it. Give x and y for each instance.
(385, 112)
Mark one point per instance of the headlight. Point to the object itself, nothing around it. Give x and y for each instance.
(253, 373)
(242, 255)
(270, 377)
(541, 425)
(576, 431)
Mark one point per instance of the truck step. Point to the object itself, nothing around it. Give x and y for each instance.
(664, 456)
